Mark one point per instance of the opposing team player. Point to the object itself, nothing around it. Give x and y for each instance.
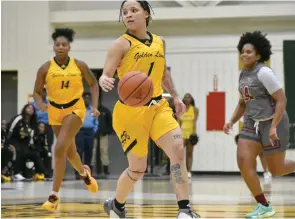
(266, 123)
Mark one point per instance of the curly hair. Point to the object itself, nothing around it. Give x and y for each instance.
(145, 6)
(259, 41)
(64, 32)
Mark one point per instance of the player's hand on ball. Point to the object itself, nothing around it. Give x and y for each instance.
(227, 127)
(179, 106)
(273, 137)
(106, 83)
(94, 112)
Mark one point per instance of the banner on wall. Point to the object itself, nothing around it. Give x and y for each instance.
(240, 69)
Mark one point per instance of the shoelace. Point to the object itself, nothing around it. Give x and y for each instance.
(193, 214)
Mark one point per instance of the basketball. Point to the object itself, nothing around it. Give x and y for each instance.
(135, 89)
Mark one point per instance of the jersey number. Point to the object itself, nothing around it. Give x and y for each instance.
(151, 68)
(247, 95)
(65, 84)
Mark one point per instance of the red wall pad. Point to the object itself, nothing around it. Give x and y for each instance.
(215, 111)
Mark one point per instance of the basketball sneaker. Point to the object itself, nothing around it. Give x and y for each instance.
(51, 204)
(89, 181)
(187, 214)
(261, 211)
(112, 211)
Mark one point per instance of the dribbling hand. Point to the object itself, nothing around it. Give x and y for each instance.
(179, 106)
(94, 112)
(106, 83)
(227, 128)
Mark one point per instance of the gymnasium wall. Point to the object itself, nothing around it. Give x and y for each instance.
(195, 56)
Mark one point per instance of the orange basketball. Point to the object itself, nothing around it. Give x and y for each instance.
(135, 89)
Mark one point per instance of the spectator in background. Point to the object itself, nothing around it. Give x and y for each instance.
(105, 129)
(43, 117)
(41, 146)
(6, 153)
(188, 122)
(85, 136)
(3, 131)
(20, 132)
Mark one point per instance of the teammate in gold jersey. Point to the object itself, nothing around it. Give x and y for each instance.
(62, 77)
(139, 50)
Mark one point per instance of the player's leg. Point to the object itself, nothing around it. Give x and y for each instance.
(65, 136)
(133, 132)
(275, 154)
(85, 172)
(249, 148)
(189, 157)
(266, 174)
(166, 133)
(135, 171)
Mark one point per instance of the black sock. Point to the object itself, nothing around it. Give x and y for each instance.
(119, 206)
(183, 204)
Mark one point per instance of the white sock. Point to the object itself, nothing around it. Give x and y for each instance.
(84, 173)
(54, 193)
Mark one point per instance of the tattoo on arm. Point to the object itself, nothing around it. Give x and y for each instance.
(176, 174)
(168, 84)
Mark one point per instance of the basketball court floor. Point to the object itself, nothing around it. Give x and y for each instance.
(211, 197)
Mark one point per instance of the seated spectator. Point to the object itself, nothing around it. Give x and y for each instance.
(20, 132)
(43, 117)
(41, 146)
(6, 154)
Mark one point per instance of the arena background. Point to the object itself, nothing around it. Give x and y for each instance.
(201, 43)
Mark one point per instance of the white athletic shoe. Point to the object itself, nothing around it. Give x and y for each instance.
(187, 214)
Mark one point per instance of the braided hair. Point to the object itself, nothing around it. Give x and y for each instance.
(145, 5)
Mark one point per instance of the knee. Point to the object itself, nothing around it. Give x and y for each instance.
(242, 161)
(59, 151)
(178, 152)
(135, 175)
(137, 172)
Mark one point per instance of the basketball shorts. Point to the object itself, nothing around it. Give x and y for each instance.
(135, 125)
(260, 133)
(57, 112)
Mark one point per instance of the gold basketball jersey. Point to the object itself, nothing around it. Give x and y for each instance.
(64, 85)
(147, 57)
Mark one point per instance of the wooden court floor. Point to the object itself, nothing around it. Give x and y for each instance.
(211, 197)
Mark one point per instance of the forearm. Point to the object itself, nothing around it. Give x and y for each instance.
(279, 112)
(95, 95)
(38, 99)
(238, 113)
(168, 84)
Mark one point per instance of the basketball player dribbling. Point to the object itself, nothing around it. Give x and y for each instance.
(62, 76)
(139, 50)
(266, 123)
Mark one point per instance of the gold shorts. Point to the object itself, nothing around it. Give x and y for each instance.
(135, 125)
(57, 112)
